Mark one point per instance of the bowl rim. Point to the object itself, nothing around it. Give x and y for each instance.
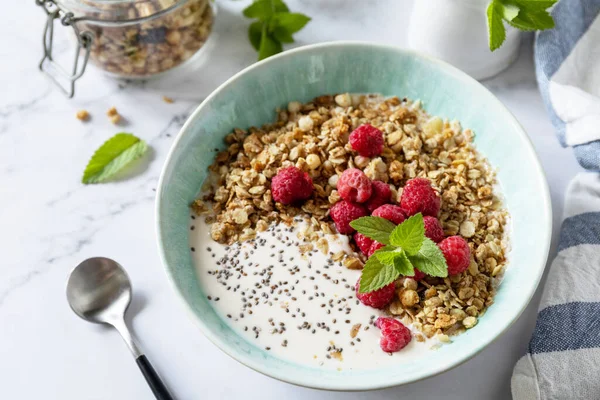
(349, 385)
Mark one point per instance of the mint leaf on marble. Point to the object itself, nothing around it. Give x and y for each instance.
(275, 25)
(110, 158)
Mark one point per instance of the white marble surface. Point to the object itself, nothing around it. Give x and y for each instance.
(49, 221)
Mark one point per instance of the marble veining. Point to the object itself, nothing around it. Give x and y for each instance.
(50, 221)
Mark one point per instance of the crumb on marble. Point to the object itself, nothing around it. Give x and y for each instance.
(83, 115)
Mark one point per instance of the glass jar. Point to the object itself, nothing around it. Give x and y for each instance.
(132, 38)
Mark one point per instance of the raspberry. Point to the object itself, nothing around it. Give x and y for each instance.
(367, 140)
(381, 194)
(418, 275)
(378, 298)
(390, 212)
(457, 254)
(419, 196)
(394, 335)
(343, 212)
(291, 185)
(364, 243)
(433, 229)
(354, 186)
(374, 247)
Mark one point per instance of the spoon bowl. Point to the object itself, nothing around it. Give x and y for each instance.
(99, 290)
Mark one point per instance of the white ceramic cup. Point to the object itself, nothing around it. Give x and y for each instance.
(456, 31)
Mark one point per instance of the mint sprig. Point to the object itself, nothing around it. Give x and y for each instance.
(376, 228)
(113, 156)
(406, 248)
(275, 26)
(526, 15)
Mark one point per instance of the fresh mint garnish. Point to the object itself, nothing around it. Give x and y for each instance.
(113, 156)
(387, 254)
(403, 265)
(275, 25)
(376, 228)
(406, 248)
(376, 275)
(527, 15)
(409, 235)
(430, 260)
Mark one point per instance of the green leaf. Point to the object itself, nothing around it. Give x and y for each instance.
(409, 235)
(290, 22)
(508, 11)
(375, 228)
(268, 45)
(375, 275)
(386, 255)
(261, 9)
(280, 6)
(403, 264)
(282, 35)
(113, 156)
(496, 29)
(533, 21)
(535, 5)
(254, 34)
(430, 260)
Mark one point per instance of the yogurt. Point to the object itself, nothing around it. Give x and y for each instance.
(300, 307)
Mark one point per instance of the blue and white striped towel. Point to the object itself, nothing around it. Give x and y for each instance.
(563, 361)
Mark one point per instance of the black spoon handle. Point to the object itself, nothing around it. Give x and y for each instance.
(156, 384)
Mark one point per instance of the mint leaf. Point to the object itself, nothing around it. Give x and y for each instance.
(403, 264)
(508, 11)
(282, 35)
(275, 26)
(430, 260)
(113, 156)
(290, 22)
(535, 5)
(261, 9)
(255, 34)
(496, 29)
(409, 235)
(268, 46)
(532, 21)
(386, 255)
(376, 275)
(375, 228)
(279, 6)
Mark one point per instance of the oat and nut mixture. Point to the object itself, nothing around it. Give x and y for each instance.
(152, 45)
(314, 138)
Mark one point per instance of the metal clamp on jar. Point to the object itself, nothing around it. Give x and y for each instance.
(127, 38)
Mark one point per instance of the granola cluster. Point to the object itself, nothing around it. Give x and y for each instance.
(314, 138)
(167, 35)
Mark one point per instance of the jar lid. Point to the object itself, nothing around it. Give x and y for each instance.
(117, 10)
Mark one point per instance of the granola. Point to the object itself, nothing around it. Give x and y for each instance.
(314, 137)
(156, 41)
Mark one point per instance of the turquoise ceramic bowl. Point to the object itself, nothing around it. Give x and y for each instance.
(249, 99)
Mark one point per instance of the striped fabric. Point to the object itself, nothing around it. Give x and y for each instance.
(563, 361)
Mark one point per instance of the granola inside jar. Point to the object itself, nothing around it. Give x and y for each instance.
(142, 38)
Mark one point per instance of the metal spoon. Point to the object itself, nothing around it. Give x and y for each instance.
(99, 291)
